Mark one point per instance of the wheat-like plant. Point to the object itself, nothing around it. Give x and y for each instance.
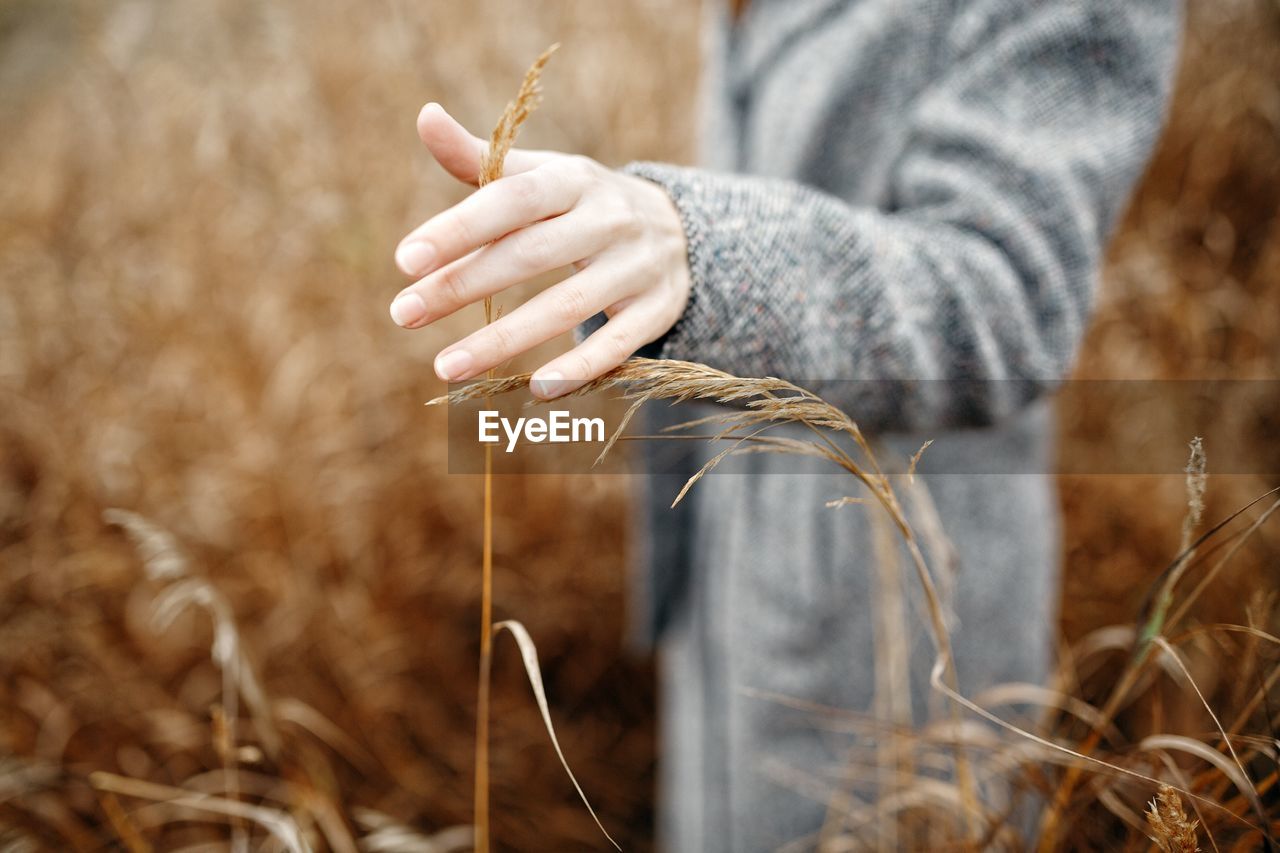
(491, 168)
(753, 406)
(759, 404)
(1171, 829)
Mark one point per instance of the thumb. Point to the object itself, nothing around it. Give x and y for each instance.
(460, 152)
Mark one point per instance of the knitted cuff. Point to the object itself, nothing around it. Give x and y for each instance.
(682, 185)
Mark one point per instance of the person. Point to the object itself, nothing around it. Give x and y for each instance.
(891, 191)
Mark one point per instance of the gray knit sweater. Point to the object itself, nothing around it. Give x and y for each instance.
(896, 191)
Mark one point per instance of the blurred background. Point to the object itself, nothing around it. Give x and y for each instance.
(198, 207)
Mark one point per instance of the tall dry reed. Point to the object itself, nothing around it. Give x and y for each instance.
(491, 168)
(756, 405)
(500, 143)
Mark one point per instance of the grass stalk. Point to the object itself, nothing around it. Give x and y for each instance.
(1151, 627)
(486, 664)
(760, 404)
(491, 167)
(757, 404)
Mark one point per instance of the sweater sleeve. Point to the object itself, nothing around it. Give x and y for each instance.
(965, 295)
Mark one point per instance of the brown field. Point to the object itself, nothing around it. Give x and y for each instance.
(198, 205)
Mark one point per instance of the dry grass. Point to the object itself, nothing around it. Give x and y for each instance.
(1171, 829)
(975, 810)
(197, 209)
(491, 169)
(501, 139)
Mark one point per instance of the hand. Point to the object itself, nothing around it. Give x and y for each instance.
(621, 234)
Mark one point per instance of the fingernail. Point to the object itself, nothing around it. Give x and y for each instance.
(549, 385)
(455, 365)
(414, 257)
(407, 309)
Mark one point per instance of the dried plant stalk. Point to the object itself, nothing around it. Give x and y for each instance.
(529, 657)
(279, 823)
(1155, 621)
(1197, 478)
(120, 821)
(513, 118)
(763, 403)
(505, 132)
(500, 142)
(1171, 829)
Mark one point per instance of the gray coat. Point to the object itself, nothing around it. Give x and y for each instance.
(895, 190)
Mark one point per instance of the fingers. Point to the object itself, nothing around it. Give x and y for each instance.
(521, 255)
(552, 312)
(491, 212)
(460, 153)
(606, 348)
